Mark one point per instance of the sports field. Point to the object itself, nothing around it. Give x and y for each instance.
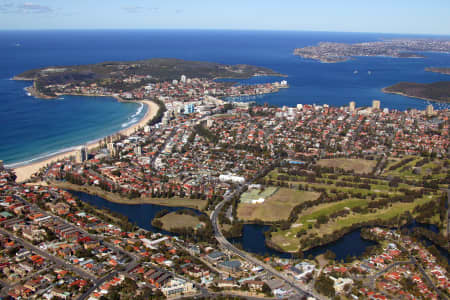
(277, 207)
(360, 166)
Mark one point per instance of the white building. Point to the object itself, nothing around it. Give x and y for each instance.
(352, 106)
(176, 286)
(430, 110)
(82, 154)
(340, 283)
(138, 150)
(376, 104)
(258, 201)
(183, 78)
(232, 178)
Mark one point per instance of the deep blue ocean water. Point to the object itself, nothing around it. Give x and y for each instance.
(33, 127)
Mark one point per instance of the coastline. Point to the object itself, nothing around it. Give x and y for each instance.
(384, 90)
(25, 172)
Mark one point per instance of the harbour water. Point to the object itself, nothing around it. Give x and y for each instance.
(351, 244)
(140, 214)
(34, 127)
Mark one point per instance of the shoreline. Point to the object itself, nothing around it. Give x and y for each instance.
(25, 171)
(384, 90)
(115, 198)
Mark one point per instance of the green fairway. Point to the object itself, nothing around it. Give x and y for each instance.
(359, 166)
(276, 207)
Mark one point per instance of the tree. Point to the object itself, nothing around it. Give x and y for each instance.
(266, 290)
(325, 286)
(157, 223)
(330, 255)
(299, 254)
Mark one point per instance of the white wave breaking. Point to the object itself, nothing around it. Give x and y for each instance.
(132, 120)
(139, 110)
(48, 155)
(134, 117)
(41, 157)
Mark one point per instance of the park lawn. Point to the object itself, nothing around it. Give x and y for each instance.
(392, 161)
(273, 175)
(398, 172)
(311, 215)
(116, 198)
(255, 194)
(226, 227)
(364, 192)
(436, 220)
(277, 207)
(174, 220)
(359, 166)
(288, 241)
(426, 170)
(384, 214)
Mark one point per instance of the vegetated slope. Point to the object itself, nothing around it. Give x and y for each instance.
(436, 91)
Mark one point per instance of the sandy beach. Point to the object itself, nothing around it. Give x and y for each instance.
(26, 171)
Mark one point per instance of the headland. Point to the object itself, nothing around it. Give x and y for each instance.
(436, 91)
(125, 81)
(445, 71)
(327, 52)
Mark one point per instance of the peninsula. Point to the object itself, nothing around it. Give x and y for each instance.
(314, 173)
(328, 52)
(436, 91)
(445, 71)
(116, 77)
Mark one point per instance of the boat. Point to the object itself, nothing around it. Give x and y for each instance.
(355, 72)
(369, 72)
(18, 45)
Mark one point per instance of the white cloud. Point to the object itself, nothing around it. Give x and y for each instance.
(24, 8)
(30, 7)
(139, 9)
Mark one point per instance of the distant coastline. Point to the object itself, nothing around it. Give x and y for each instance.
(384, 90)
(445, 71)
(331, 52)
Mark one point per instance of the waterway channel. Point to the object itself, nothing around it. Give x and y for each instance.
(253, 239)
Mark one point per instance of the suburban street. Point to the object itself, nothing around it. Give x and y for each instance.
(97, 282)
(56, 260)
(299, 288)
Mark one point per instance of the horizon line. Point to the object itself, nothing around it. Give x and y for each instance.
(222, 29)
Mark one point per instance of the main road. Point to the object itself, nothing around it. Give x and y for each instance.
(301, 289)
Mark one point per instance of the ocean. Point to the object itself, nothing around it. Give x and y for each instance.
(32, 128)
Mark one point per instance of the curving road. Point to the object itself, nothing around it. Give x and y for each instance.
(300, 289)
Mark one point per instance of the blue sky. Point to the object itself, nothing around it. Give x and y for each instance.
(387, 16)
